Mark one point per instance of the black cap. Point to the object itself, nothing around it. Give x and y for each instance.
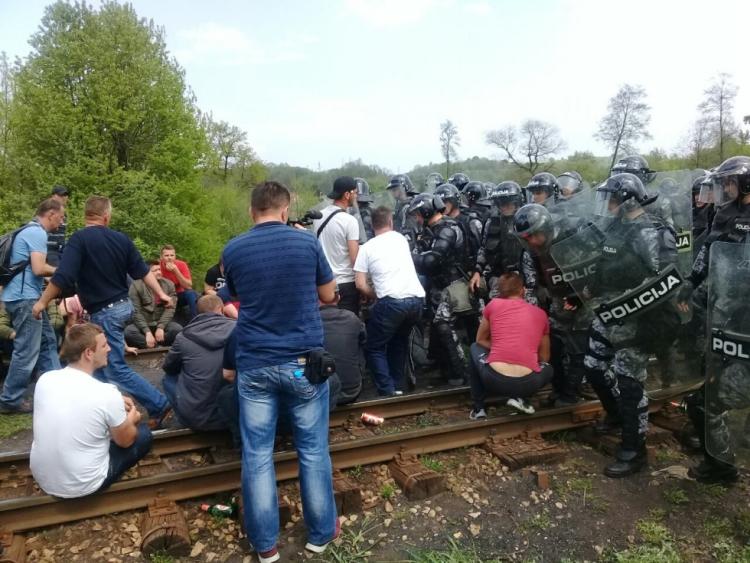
(60, 190)
(341, 185)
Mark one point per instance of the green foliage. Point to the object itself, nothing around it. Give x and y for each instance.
(11, 424)
(355, 544)
(676, 496)
(454, 554)
(356, 471)
(432, 464)
(665, 553)
(387, 490)
(653, 531)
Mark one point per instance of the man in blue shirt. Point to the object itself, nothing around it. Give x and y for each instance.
(278, 273)
(35, 340)
(99, 259)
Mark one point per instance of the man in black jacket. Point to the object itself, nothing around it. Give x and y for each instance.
(193, 367)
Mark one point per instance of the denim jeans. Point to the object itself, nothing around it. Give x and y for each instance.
(113, 319)
(35, 345)
(262, 393)
(190, 298)
(122, 459)
(388, 329)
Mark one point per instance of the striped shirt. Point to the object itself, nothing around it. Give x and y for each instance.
(274, 271)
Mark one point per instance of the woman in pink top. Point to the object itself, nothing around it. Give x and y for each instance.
(510, 355)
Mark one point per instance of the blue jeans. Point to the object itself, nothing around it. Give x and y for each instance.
(122, 459)
(35, 345)
(262, 393)
(189, 298)
(113, 319)
(388, 329)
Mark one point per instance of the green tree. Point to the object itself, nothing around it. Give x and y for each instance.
(626, 121)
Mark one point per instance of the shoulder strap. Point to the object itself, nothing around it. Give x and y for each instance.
(323, 226)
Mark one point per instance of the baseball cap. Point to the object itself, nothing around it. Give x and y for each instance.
(341, 185)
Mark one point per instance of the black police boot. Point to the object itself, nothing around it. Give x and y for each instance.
(610, 424)
(626, 463)
(712, 470)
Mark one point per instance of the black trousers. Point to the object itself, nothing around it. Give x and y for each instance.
(349, 297)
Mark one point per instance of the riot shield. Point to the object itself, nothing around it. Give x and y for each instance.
(603, 265)
(675, 207)
(728, 354)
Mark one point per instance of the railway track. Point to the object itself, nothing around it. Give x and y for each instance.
(22, 507)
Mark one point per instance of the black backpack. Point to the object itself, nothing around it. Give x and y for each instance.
(7, 270)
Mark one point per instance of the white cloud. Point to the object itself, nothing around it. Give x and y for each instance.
(386, 13)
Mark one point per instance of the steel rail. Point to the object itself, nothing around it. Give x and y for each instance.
(35, 512)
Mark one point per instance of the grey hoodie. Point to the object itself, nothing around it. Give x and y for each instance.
(196, 359)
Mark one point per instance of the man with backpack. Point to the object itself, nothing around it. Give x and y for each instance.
(23, 255)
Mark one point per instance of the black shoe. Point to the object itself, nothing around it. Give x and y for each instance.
(625, 467)
(24, 408)
(714, 471)
(607, 425)
(561, 402)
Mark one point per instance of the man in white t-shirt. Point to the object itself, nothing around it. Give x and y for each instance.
(338, 233)
(86, 433)
(400, 299)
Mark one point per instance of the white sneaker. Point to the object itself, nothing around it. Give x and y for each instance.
(477, 414)
(521, 406)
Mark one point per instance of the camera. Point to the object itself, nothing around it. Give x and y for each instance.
(307, 219)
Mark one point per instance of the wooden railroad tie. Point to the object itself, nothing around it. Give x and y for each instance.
(347, 494)
(527, 449)
(16, 484)
(415, 480)
(163, 528)
(12, 548)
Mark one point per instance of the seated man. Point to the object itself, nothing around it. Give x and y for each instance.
(344, 339)
(152, 322)
(214, 280)
(7, 335)
(516, 335)
(193, 367)
(178, 273)
(86, 434)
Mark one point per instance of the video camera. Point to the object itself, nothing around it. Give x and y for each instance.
(307, 219)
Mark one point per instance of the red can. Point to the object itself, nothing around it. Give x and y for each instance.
(373, 419)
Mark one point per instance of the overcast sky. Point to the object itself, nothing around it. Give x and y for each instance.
(317, 83)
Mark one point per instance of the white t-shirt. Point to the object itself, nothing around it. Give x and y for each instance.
(342, 228)
(73, 413)
(387, 259)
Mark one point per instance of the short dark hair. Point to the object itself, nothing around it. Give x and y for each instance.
(270, 196)
(510, 285)
(208, 303)
(98, 206)
(48, 205)
(154, 262)
(60, 190)
(381, 217)
(167, 247)
(79, 339)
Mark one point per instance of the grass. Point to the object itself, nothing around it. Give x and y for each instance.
(11, 424)
(428, 418)
(454, 554)
(713, 490)
(432, 464)
(728, 552)
(658, 547)
(667, 455)
(742, 521)
(676, 496)
(387, 490)
(161, 556)
(653, 532)
(354, 544)
(718, 527)
(356, 471)
(536, 523)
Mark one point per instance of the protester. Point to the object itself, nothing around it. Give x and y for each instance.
(86, 434)
(214, 280)
(400, 298)
(344, 338)
(73, 311)
(99, 260)
(152, 322)
(35, 343)
(278, 273)
(178, 273)
(56, 238)
(338, 233)
(193, 367)
(512, 348)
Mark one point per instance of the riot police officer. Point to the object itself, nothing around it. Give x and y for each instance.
(476, 201)
(401, 188)
(433, 180)
(542, 189)
(539, 229)
(364, 206)
(569, 184)
(459, 179)
(638, 254)
(703, 209)
(500, 250)
(437, 256)
(727, 380)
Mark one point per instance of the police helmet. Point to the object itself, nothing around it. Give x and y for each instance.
(426, 205)
(474, 191)
(449, 193)
(459, 179)
(363, 191)
(433, 180)
(626, 190)
(401, 181)
(507, 192)
(543, 182)
(634, 164)
(531, 219)
(736, 168)
(569, 183)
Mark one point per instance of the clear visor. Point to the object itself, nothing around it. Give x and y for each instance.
(605, 205)
(507, 203)
(568, 185)
(536, 194)
(723, 190)
(431, 183)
